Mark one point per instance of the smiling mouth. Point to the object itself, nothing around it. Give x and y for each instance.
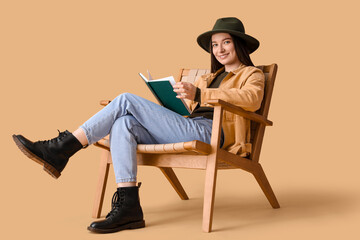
(223, 56)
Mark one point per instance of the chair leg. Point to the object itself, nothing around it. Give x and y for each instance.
(100, 189)
(260, 177)
(174, 181)
(209, 193)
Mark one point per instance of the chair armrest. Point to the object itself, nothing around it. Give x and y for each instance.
(239, 111)
(104, 102)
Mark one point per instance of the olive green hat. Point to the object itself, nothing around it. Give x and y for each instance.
(232, 26)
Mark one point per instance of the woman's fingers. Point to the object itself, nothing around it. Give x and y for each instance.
(179, 86)
(179, 90)
(185, 90)
(183, 86)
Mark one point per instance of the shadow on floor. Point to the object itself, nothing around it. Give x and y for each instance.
(249, 211)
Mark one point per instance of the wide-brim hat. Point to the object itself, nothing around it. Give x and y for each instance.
(232, 26)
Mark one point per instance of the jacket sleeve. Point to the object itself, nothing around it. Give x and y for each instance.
(200, 83)
(249, 96)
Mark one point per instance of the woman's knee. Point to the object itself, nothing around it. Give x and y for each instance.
(124, 123)
(125, 96)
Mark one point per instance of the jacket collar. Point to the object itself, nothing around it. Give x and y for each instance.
(218, 72)
(237, 70)
(221, 70)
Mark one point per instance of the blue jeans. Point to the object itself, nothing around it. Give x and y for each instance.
(132, 120)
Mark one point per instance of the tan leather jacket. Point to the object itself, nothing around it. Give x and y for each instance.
(243, 87)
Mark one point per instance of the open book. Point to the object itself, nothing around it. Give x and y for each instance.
(164, 93)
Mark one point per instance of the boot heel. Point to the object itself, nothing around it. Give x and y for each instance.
(135, 225)
(51, 170)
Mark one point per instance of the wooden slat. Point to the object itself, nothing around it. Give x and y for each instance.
(185, 72)
(181, 147)
(262, 180)
(190, 79)
(236, 160)
(180, 75)
(270, 74)
(192, 72)
(211, 170)
(174, 181)
(101, 186)
(253, 128)
(201, 147)
(101, 144)
(173, 160)
(223, 165)
(201, 72)
(272, 70)
(184, 79)
(198, 146)
(104, 102)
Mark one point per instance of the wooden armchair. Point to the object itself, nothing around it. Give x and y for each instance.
(199, 155)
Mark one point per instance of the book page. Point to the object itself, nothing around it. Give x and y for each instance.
(169, 79)
(143, 77)
(149, 75)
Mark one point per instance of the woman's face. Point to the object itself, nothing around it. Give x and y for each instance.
(224, 51)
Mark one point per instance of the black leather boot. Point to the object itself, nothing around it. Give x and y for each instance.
(126, 212)
(52, 154)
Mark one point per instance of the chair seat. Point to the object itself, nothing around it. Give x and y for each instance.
(180, 147)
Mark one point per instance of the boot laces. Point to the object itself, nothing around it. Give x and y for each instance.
(117, 202)
(56, 139)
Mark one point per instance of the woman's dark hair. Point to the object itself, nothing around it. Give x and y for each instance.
(241, 51)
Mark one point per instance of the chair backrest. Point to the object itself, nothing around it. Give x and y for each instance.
(191, 75)
(257, 130)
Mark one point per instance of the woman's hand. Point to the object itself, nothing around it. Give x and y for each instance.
(185, 90)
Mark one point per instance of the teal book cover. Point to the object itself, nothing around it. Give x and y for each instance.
(164, 93)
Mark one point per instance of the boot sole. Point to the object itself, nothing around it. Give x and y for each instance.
(132, 225)
(46, 166)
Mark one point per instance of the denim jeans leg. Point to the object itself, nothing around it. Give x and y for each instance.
(125, 134)
(153, 122)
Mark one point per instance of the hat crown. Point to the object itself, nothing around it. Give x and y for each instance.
(232, 26)
(229, 23)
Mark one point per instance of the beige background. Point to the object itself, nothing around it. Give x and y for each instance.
(59, 58)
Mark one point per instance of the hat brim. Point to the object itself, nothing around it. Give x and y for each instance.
(204, 39)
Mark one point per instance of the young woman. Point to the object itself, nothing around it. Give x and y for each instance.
(132, 120)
